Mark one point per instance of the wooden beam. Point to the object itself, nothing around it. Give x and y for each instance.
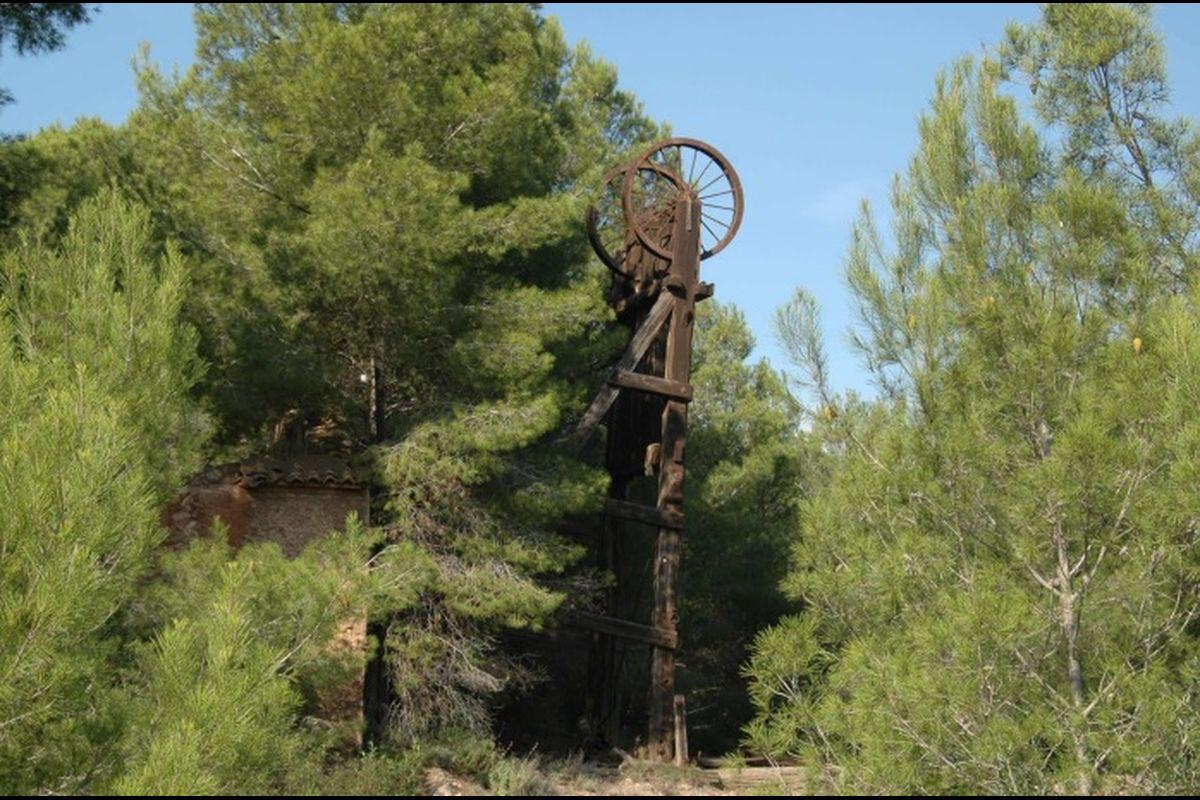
(651, 383)
(684, 271)
(647, 515)
(681, 743)
(627, 630)
(633, 354)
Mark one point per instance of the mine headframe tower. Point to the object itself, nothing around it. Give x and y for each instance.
(675, 205)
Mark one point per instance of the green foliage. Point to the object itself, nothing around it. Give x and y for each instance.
(353, 191)
(244, 644)
(1000, 573)
(97, 425)
(39, 27)
(44, 178)
(121, 674)
(748, 466)
(519, 777)
(462, 753)
(215, 713)
(787, 663)
(372, 204)
(376, 773)
(393, 192)
(362, 188)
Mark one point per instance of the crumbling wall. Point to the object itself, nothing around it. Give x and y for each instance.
(293, 516)
(291, 504)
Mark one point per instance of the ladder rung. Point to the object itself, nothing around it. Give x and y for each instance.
(658, 637)
(649, 515)
(651, 383)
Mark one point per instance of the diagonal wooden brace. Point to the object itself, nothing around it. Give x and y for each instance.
(638, 346)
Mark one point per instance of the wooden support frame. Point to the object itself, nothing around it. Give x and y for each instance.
(670, 322)
(624, 629)
(649, 383)
(638, 346)
(647, 515)
(654, 248)
(681, 742)
(685, 272)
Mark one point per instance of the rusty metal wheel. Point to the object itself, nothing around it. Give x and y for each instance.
(606, 227)
(668, 169)
(609, 231)
(649, 200)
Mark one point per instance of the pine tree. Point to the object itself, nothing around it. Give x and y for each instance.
(378, 209)
(97, 425)
(372, 187)
(1000, 574)
(234, 648)
(382, 206)
(749, 466)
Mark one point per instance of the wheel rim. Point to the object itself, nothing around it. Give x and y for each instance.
(678, 165)
(606, 227)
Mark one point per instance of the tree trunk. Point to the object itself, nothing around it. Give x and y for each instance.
(378, 403)
(1070, 601)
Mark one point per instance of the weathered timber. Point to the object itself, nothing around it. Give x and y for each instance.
(628, 630)
(604, 666)
(633, 354)
(647, 515)
(685, 269)
(681, 743)
(649, 383)
(654, 247)
(780, 780)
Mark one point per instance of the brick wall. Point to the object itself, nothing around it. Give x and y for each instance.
(291, 515)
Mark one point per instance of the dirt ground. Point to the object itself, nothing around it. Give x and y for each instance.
(632, 779)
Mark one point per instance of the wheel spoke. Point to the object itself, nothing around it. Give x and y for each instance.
(700, 177)
(654, 185)
(710, 183)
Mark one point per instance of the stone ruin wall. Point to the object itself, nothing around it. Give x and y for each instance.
(290, 504)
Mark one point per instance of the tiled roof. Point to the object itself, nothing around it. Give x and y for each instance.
(329, 471)
(300, 471)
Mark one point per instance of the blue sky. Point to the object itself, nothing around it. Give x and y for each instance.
(816, 107)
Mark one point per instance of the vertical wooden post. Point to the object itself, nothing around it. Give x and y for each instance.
(681, 744)
(681, 281)
(662, 233)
